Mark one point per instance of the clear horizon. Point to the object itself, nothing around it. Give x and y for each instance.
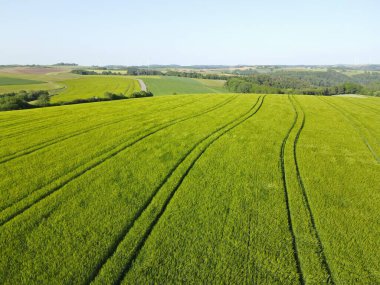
(198, 33)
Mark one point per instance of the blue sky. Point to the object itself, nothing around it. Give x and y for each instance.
(190, 32)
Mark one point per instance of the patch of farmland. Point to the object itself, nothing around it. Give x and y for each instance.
(29, 87)
(17, 81)
(32, 81)
(33, 70)
(95, 86)
(169, 85)
(199, 189)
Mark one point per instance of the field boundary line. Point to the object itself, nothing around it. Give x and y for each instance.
(95, 163)
(140, 243)
(355, 127)
(51, 142)
(324, 262)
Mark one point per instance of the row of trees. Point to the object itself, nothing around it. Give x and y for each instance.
(137, 94)
(197, 75)
(84, 72)
(130, 71)
(65, 64)
(142, 71)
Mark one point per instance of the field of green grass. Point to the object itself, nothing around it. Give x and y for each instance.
(168, 85)
(30, 87)
(17, 81)
(200, 189)
(42, 78)
(95, 86)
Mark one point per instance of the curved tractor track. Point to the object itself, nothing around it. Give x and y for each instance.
(149, 209)
(303, 223)
(321, 250)
(288, 210)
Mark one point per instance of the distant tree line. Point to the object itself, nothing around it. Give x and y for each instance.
(130, 71)
(197, 75)
(141, 71)
(84, 72)
(65, 64)
(108, 96)
(137, 94)
(108, 72)
(306, 82)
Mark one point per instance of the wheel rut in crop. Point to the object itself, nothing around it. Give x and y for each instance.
(286, 192)
(208, 141)
(93, 164)
(321, 251)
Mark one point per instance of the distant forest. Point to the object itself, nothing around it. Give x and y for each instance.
(328, 82)
(307, 82)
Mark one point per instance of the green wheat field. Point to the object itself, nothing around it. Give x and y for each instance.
(190, 189)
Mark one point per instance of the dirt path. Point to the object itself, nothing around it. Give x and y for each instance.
(142, 85)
